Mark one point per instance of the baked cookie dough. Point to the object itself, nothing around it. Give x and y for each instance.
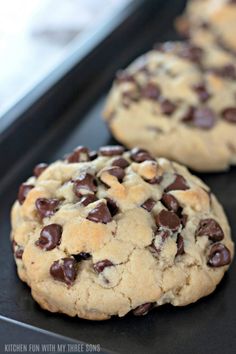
(178, 101)
(106, 233)
(217, 17)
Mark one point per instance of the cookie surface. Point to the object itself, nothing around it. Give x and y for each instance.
(215, 18)
(179, 102)
(103, 235)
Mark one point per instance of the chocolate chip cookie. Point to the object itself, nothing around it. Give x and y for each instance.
(105, 233)
(178, 101)
(214, 18)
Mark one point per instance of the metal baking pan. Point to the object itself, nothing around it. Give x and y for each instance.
(63, 112)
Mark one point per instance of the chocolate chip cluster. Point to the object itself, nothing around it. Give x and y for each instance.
(145, 84)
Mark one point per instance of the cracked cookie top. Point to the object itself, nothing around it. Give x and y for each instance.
(103, 233)
(175, 98)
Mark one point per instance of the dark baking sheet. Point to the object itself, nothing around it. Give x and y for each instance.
(209, 326)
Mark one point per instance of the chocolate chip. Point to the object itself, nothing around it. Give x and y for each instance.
(87, 199)
(129, 96)
(210, 228)
(100, 214)
(167, 107)
(219, 255)
(168, 219)
(203, 118)
(93, 155)
(184, 219)
(82, 256)
(101, 265)
(123, 76)
(229, 114)
(46, 207)
(148, 204)
(117, 172)
(140, 155)
(144, 69)
(202, 92)
(179, 184)
(120, 162)
(18, 250)
(39, 169)
(228, 71)
(170, 202)
(80, 154)
(162, 235)
(191, 52)
(143, 309)
(23, 191)
(165, 47)
(111, 150)
(188, 115)
(50, 237)
(205, 25)
(154, 180)
(112, 206)
(64, 270)
(186, 50)
(180, 245)
(84, 184)
(151, 91)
